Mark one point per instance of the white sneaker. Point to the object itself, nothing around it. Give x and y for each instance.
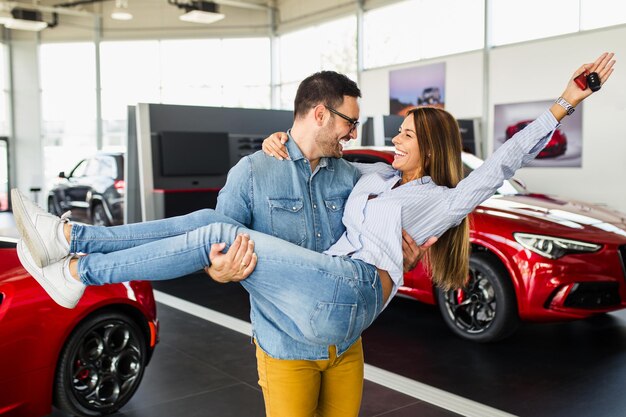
(39, 230)
(65, 291)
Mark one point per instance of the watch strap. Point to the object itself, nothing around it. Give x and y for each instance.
(569, 109)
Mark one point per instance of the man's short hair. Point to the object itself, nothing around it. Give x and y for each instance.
(324, 87)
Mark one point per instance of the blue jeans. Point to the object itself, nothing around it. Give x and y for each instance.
(323, 300)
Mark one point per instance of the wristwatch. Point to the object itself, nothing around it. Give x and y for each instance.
(569, 109)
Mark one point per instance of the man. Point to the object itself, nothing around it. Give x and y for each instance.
(301, 201)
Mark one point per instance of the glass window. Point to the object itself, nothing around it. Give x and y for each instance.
(246, 61)
(247, 73)
(214, 72)
(288, 95)
(418, 29)
(202, 72)
(299, 55)
(514, 21)
(257, 97)
(451, 26)
(130, 73)
(330, 46)
(191, 72)
(68, 104)
(600, 13)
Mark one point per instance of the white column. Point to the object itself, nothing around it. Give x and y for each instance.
(27, 146)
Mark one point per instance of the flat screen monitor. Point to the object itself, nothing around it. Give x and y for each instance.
(194, 153)
(367, 132)
(470, 135)
(391, 124)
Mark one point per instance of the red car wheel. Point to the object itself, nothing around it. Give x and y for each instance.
(101, 365)
(485, 310)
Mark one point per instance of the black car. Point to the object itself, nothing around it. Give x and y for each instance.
(93, 190)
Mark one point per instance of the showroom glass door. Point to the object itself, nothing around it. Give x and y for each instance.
(4, 174)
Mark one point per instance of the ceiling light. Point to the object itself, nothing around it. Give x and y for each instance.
(120, 12)
(25, 19)
(200, 12)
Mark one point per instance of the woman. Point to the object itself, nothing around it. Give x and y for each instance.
(326, 300)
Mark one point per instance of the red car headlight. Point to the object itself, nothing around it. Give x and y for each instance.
(553, 247)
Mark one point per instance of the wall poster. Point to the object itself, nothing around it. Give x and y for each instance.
(417, 86)
(564, 148)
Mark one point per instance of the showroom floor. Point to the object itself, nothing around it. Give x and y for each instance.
(566, 369)
(563, 369)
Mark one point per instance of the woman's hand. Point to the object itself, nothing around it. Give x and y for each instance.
(603, 66)
(275, 146)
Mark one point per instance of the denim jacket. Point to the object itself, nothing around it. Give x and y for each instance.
(286, 200)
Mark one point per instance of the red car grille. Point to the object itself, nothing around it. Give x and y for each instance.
(592, 295)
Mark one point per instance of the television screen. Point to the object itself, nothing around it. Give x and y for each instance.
(391, 124)
(194, 153)
(468, 135)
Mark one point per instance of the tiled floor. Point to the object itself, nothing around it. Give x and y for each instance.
(202, 369)
(566, 369)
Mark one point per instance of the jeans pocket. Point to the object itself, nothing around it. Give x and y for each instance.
(333, 323)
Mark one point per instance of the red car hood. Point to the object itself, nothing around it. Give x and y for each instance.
(545, 214)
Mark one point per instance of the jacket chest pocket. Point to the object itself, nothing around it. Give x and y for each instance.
(287, 219)
(334, 209)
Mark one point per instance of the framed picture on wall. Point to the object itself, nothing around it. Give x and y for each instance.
(417, 86)
(564, 148)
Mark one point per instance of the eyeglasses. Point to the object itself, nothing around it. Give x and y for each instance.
(354, 122)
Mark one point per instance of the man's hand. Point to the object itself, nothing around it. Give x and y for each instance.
(412, 253)
(274, 145)
(236, 264)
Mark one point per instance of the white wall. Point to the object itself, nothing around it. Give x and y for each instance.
(535, 71)
(539, 71)
(464, 79)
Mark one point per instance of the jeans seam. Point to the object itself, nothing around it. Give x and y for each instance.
(308, 267)
(146, 260)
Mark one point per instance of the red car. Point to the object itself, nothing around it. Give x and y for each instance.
(555, 147)
(534, 258)
(87, 361)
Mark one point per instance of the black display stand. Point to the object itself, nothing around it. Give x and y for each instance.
(171, 203)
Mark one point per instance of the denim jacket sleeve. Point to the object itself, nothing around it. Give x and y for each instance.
(235, 200)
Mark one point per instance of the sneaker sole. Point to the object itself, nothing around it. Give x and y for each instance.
(58, 298)
(27, 230)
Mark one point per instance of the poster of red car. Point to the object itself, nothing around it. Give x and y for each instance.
(564, 148)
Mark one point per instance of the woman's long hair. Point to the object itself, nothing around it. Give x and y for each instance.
(439, 141)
